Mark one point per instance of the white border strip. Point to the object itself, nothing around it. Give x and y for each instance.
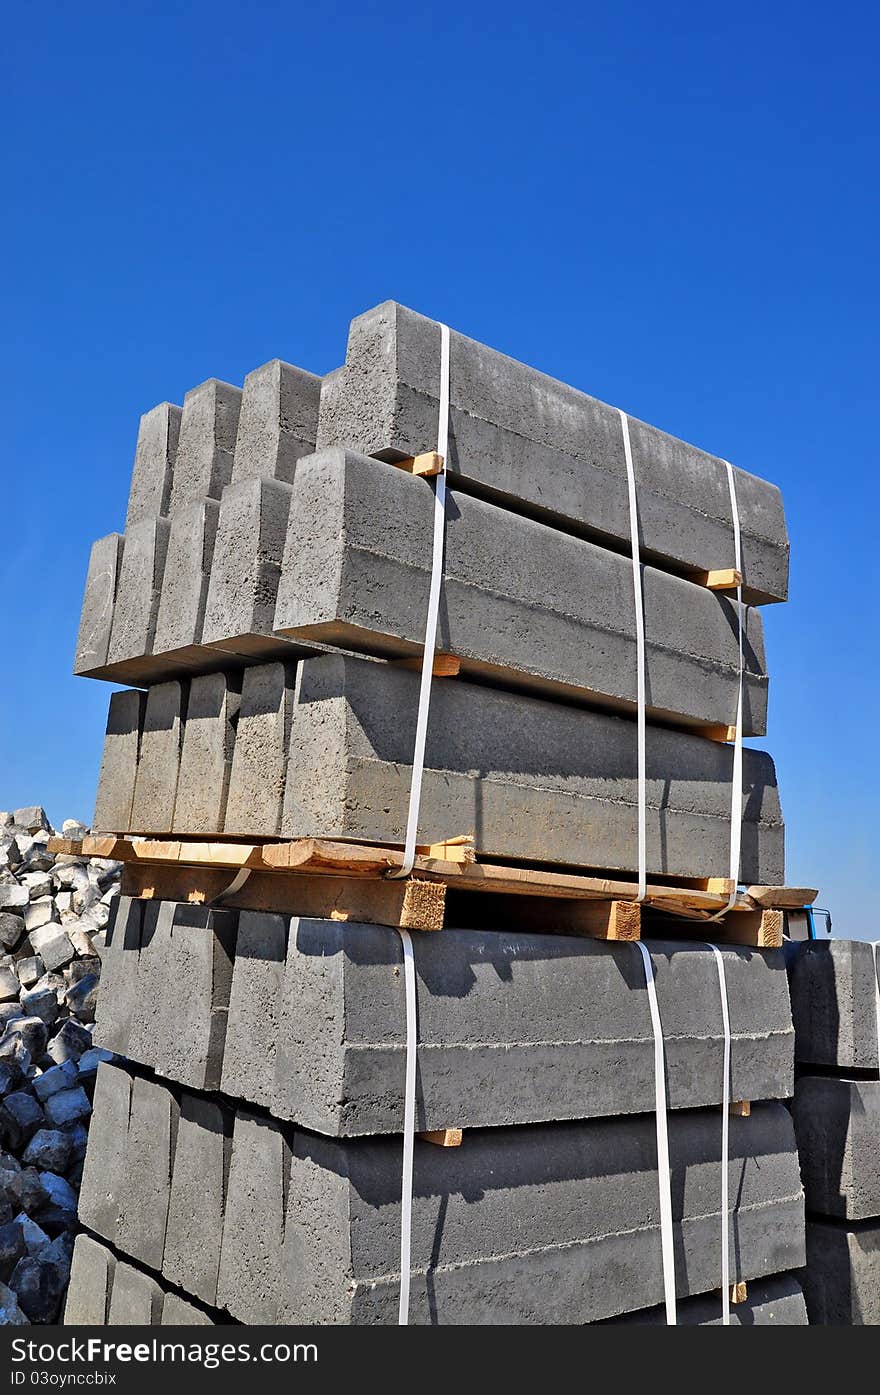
(664, 1176)
(640, 656)
(876, 947)
(725, 1142)
(736, 788)
(418, 766)
(409, 1126)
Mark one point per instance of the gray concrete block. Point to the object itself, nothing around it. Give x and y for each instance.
(135, 1299)
(254, 1020)
(513, 1028)
(523, 603)
(176, 1312)
(154, 996)
(153, 471)
(529, 778)
(206, 755)
(96, 617)
(278, 423)
(119, 762)
(775, 1302)
(155, 787)
(149, 1158)
(205, 450)
(248, 552)
(195, 962)
(249, 1281)
(842, 1278)
(559, 1225)
(262, 742)
(181, 605)
(95, 1300)
(118, 998)
(198, 1197)
(833, 1002)
(104, 1180)
(539, 445)
(138, 589)
(91, 1281)
(837, 1123)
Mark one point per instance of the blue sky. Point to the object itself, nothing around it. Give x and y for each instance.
(673, 207)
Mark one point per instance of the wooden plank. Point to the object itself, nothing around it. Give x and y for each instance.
(739, 1293)
(721, 579)
(760, 929)
(443, 1138)
(782, 898)
(428, 463)
(741, 1109)
(460, 849)
(444, 666)
(717, 733)
(412, 904)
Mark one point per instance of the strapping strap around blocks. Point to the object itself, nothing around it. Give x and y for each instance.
(409, 1126)
(736, 787)
(876, 948)
(234, 886)
(725, 1142)
(439, 542)
(664, 1175)
(641, 728)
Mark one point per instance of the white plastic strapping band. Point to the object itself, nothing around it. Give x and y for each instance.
(876, 947)
(640, 656)
(663, 1173)
(409, 1126)
(736, 788)
(418, 766)
(725, 1142)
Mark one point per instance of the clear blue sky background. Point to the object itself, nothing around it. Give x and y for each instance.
(671, 206)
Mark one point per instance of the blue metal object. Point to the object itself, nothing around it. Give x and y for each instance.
(812, 912)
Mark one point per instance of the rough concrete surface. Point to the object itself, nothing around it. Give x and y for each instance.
(842, 1277)
(833, 1002)
(262, 744)
(521, 603)
(120, 995)
(246, 565)
(538, 444)
(513, 1028)
(254, 1019)
(205, 450)
(94, 1300)
(198, 1196)
(104, 1180)
(249, 1282)
(529, 778)
(278, 423)
(138, 588)
(155, 787)
(181, 603)
(153, 470)
(119, 761)
(777, 1302)
(837, 1123)
(96, 617)
(146, 1184)
(206, 754)
(561, 1225)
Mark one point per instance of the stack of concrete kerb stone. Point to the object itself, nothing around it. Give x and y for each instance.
(267, 604)
(836, 1003)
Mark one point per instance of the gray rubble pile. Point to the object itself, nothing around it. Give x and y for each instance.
(54, 911)
(246, 1151)
(835, 992)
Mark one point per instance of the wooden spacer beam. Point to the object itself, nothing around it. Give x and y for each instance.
(443, 1138)
(723, 579)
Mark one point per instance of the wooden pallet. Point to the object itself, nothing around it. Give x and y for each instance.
(349, 881)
